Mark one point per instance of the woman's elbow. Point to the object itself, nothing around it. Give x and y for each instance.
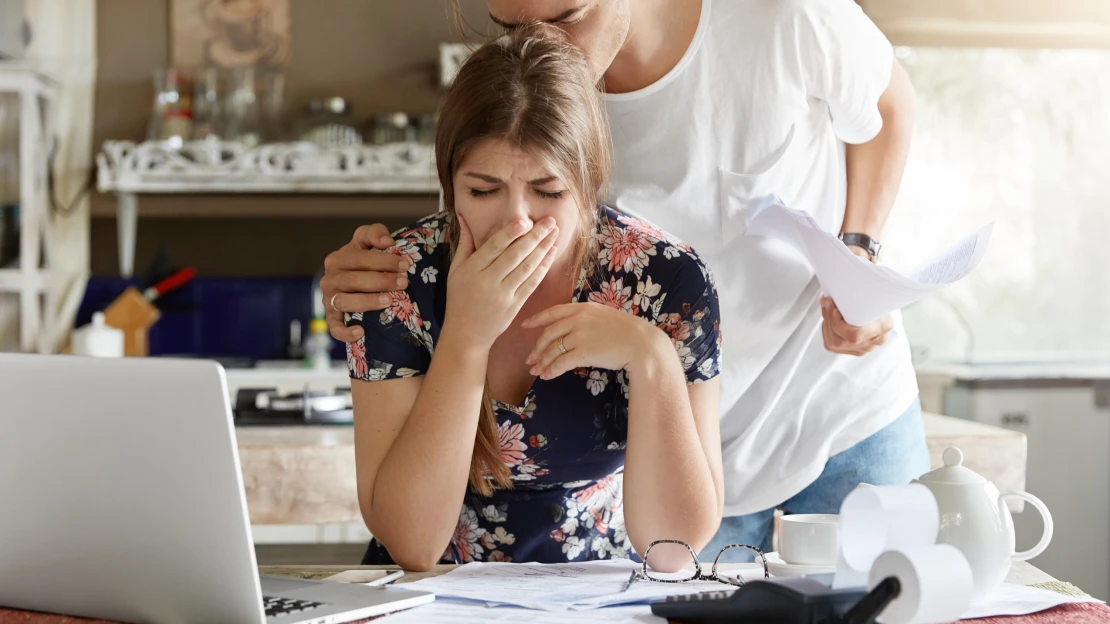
(669, 563)
(416, 559)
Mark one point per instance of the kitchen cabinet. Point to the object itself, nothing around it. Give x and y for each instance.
(993, 23)
(1064, 410)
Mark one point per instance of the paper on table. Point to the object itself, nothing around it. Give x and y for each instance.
(862, 291)
(366, 577)
(461, 612)
(1010, 599)
(556, 586)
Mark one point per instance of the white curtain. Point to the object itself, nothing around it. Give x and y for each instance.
(64, 46)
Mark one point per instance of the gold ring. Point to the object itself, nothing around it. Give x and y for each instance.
(332, 303)
(562, 347)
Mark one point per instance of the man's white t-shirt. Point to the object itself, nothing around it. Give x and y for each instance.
(763, 102)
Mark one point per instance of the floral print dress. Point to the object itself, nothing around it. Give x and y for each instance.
(564, 444)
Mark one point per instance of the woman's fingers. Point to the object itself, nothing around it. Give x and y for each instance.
(532, 282)
(548, 340)
(519, 249)
(572, 359)
(550, 315)
(465, 247)
(531, 262)
(496, 244)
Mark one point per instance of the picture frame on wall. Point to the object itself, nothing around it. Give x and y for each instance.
(230, 33)
(451, 58)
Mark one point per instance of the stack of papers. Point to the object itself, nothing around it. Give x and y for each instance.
(559, 586)
(462, 612)
(579, 593)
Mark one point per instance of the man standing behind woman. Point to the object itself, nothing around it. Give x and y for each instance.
(714, 104)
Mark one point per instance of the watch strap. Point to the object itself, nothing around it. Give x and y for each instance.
(862, 241)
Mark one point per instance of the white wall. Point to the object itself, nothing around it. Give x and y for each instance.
(1021, 138)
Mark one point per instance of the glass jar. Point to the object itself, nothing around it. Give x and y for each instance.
(171, 113)
(244, 117)
(273, 106)
(207, 105)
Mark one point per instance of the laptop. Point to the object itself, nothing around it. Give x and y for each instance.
(121, 498)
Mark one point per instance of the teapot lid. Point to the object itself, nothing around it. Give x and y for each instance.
(953, 470)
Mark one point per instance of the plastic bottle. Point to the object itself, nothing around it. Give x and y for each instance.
(317, 346)
(97, 339)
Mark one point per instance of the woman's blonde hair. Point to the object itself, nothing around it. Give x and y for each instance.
(534, 90)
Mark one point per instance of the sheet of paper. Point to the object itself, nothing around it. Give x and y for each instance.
(460, 612)
(558, 586)
(863, 291)
(1010, 599)
(366, 577)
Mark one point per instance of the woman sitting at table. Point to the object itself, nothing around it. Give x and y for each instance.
(563, 431)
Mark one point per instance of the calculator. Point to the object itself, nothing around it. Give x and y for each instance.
(797, 600)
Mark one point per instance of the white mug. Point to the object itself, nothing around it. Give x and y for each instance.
(808, 539)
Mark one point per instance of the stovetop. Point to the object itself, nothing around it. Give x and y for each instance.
(268, 407)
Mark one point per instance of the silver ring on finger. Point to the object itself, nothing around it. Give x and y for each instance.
(332, 302)
(562, 347)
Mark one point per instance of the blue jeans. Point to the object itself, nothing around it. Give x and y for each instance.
(893, 456)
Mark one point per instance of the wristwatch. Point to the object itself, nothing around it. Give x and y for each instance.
(864, 242)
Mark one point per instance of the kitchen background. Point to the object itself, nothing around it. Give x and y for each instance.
(1013, 126)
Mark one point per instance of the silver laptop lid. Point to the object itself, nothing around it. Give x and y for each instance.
(120, 492)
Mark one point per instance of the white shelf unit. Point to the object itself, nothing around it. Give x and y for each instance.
(206, 167)
(29, 282)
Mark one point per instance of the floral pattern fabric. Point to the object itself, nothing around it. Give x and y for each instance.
(564, 444)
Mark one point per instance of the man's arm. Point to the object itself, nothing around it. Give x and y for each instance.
(874, 175)
(875, 167)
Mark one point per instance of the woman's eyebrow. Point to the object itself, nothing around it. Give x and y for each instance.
(542, 181)
(483, 177)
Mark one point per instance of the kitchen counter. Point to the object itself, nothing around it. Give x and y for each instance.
(299, 475)
(306, 475)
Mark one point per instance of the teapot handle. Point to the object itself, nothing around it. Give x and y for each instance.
(1046, 518)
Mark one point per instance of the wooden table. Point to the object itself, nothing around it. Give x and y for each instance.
(1022, 574)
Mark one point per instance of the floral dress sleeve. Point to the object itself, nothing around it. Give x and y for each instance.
(680, 297)
(398, 341)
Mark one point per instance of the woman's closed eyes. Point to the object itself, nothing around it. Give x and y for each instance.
(479, 193)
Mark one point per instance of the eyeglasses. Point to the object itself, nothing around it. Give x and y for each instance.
(648, 574)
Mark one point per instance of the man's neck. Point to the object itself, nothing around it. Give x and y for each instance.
(659, 33)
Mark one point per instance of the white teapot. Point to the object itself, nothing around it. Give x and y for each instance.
(974, 518)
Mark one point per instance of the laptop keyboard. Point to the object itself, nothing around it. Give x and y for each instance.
(281, 606)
